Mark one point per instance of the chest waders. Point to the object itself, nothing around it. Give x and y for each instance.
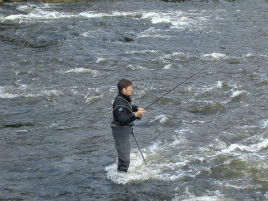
(121, 135)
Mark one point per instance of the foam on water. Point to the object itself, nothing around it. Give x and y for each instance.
(171, 168)
(92, 14)
(42, 13)
(142, 52)
(177, 19)
(264, 123)
(203, 198)
(238, 93)
(4, 94)
(244, 187)
(100, 60)
(162, 118)
(94, 95)
(249, 55)
(132, 67)
(94, 73)
(137, 170)
(181, 55)
(39, 14)
(252, 55)
(248, 148)
(179, 138)
(153, 33)
(25, 7)
(140, 94)
(88, 33)
(213, 56)
(192, 19)
(9, 92)
(156, 17)
(127, 14)
(32, 6)
(92, 99)
(154, 170)
(235, 92)
(221, 84)
(168, 66)
(176, 55)
(158, 167)
(266, 195)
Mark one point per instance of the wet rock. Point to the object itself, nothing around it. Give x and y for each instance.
(45, 1)
(59, 1)
(18, 125)
(233, 61)
(12, 0)
(128, 39)
(210, 108)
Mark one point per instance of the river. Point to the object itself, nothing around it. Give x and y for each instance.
(205, 141)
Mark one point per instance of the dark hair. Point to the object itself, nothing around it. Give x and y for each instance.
(123, 84)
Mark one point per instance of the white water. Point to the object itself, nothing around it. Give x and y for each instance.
(171, 168)
(26, 91)
(94, 73)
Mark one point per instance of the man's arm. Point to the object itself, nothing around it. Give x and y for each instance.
(124, 116)
(134, 108)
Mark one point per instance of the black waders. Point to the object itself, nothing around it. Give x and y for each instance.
(121, 136)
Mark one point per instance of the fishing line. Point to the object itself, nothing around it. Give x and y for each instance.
(132, 132)
(200, 71)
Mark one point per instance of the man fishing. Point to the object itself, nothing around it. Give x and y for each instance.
(124, 114)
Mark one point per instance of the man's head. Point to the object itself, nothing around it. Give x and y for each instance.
(125, 87)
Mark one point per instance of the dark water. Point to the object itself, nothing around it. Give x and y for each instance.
(59, 66)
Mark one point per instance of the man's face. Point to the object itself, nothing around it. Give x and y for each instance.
(127, 91)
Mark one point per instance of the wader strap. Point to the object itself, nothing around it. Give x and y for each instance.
(122, 106)
(126, 101)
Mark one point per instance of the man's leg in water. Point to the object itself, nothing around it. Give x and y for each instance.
(122, 144)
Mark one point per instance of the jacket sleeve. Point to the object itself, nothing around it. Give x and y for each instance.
(124, 116)
(134, 108)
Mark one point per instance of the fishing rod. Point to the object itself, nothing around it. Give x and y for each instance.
(200, 71)
(138, 146)
(187, 79)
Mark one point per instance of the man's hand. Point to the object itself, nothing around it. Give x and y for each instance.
(140, 112)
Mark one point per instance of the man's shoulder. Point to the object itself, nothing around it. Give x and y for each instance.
(120, 101)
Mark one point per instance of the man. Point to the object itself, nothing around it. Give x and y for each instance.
(124, 114)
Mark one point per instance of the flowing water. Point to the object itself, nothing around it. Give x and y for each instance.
(60, 63)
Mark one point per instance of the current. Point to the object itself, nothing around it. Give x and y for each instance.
(59, 66)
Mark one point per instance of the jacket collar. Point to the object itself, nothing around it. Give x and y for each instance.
(125, 97)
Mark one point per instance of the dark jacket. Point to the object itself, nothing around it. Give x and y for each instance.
(123, 111)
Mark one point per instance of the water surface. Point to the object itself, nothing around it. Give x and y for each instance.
(60, 63)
